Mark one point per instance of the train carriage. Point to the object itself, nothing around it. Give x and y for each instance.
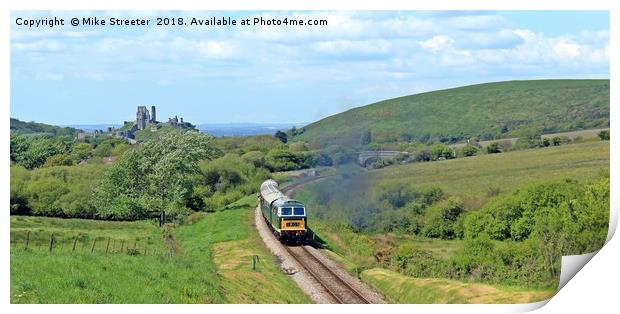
(286, 216)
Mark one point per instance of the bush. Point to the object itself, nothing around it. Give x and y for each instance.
(441, 151)
(58, 160)
(604, 135)
(441, 219)
(281, 136)
(256, 158)
(285, 160)
(416, 263)
(55, 191)
(493, 148)
(469, 150)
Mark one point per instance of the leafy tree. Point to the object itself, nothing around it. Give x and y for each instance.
(156, 178)
(32, 151)
(281, 136)
(604, 135)
(18, 196)
(82, 151)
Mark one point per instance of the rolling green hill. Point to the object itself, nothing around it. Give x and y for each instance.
(22, 127)
(486, 111)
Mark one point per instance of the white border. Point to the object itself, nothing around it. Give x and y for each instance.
(593, 288)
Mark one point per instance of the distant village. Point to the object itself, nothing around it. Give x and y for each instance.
(145, 120)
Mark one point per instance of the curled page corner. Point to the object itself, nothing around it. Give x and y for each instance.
(571, 264)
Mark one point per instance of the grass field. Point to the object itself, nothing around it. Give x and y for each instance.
(213, 263)
(476, 179)
(403, 289)
(63, 276)
(229, 239)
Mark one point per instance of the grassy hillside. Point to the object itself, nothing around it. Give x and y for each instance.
(212, 262)
(485, 111)
(475, 180)
(22, 127)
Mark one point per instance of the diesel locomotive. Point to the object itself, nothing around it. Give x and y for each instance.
(286, 216)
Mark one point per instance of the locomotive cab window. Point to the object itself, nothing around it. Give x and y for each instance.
(286, 211)
(299, 211)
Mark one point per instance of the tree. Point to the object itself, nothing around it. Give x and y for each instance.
(156, 178)
(604, 135)
(281, 136)
(82, 151)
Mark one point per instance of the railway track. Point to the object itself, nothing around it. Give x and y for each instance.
(338, 288)
(335, 286)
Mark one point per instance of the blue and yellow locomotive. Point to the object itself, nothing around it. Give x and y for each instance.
(286, 216)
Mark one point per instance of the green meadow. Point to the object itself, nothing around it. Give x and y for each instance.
(211, 261)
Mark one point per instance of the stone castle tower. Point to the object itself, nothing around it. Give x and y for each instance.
(142, 117)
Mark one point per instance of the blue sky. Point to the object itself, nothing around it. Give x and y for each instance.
(269, 74)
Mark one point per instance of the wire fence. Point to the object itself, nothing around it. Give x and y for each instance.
(58, 243)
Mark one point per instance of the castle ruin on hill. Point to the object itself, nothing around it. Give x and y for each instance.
(146, 119)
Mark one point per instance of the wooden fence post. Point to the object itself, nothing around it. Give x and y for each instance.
(122, 245)
(27, 238)
(107, 246)
(74, 243)
(51, 242)
(93, 247)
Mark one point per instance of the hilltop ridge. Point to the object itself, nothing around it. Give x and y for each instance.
(482, 111)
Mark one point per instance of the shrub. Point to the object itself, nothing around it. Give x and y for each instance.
(469, 150)
(493, 148)
(441, 219)
(256, 158)
(58, 160)
(604, 135)
(281, 136)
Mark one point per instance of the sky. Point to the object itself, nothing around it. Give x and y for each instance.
(277, 74)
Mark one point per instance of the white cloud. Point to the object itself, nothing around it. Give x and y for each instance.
(476, 22)
(437, 43)
(566, 49)
(371, 47)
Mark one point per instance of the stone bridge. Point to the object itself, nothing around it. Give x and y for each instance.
(364, 156)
